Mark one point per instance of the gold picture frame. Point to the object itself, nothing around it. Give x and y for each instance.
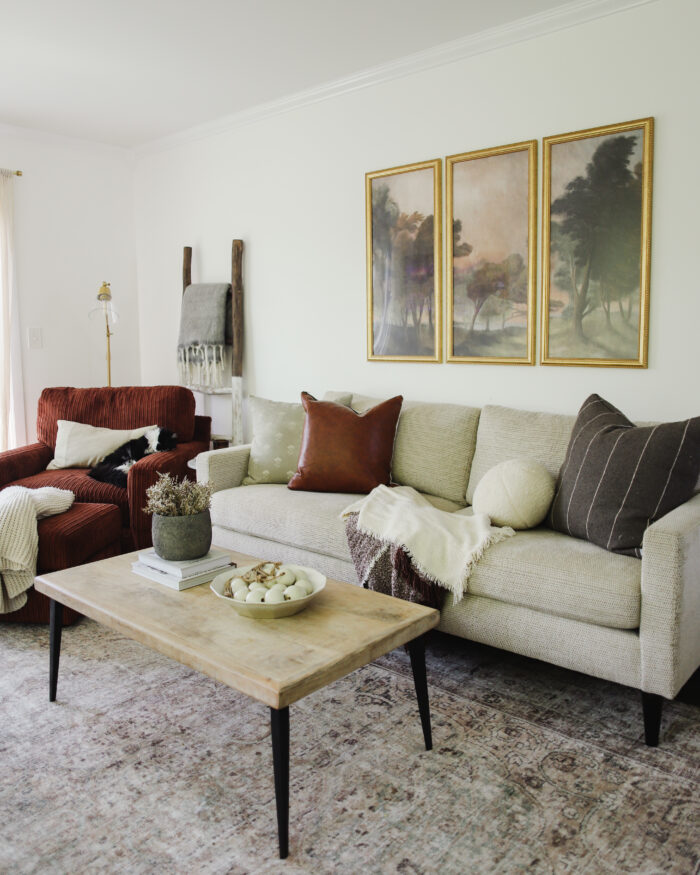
(596, 260)
(492, 200)
(404, 263)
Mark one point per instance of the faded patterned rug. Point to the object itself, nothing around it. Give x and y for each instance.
(143, 766)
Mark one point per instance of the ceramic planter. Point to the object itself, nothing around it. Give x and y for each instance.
(177, 538)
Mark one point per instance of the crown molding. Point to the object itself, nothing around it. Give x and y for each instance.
(49, 138)
(533, 26)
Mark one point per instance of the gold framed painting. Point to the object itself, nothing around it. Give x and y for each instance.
(404, 252)
(596, 246)
(491, 255)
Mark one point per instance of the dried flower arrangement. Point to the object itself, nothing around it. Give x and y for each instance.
(173, 497)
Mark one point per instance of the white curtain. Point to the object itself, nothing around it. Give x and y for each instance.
(12, 424)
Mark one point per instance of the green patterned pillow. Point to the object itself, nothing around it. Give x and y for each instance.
(277, 428)
(274, 453)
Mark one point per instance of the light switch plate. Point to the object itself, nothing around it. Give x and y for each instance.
(34, 339)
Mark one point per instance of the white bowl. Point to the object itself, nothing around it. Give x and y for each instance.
(260, 610)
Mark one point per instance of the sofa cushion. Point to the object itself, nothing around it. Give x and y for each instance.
(84, 487)
(79, 445)
(310, 520)
(117, 407)
(619, 478)
(434, 446)
(307, 520)
(344, 398)
(277, 427)
(557, 574)
(516, 493)
(538, 569)
(274, 450)
(505, 433)
(345, 451)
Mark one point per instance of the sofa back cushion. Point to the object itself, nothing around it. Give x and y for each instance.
(434, 446)
(124, 407)
(505, 433)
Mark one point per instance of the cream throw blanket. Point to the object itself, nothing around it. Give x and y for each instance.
(20, 508)
(444, 547)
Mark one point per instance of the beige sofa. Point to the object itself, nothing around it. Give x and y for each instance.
(541, 593)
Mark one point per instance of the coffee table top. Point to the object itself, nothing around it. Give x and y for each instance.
(274, 661)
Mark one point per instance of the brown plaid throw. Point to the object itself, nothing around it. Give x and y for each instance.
(387, 568)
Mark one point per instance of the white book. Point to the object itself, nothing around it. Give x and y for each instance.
(172, 581)
(186, 567)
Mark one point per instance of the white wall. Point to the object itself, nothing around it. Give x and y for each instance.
(292, 187)
(73, 229)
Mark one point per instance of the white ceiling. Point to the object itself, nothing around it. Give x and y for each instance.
(126, 72)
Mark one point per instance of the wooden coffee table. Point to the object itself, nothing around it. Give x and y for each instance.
(276, 662)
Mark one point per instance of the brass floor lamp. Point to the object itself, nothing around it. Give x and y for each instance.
(105, 312)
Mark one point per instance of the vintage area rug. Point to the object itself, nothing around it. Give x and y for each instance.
(143, 766)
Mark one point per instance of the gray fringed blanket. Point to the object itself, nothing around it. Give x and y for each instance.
(205, 332)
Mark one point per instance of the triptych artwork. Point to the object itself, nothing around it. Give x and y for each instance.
(596, 237)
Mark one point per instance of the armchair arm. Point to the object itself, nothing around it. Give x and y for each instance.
(144, 474)
(670, 622)
(202, 430)
(224, 468)
(23, 462)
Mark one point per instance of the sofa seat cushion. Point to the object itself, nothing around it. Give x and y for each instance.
(310, 520)
(83, 487)
(78, 535)
(551, 572)
(307, 520)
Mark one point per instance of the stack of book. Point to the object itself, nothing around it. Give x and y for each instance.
(182, 575)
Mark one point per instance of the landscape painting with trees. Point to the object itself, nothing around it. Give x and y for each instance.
(597, 221)
(404, 318)
(491, 212)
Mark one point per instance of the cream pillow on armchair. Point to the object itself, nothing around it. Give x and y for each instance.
(82, 446)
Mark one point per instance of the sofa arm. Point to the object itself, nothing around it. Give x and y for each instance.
(670, 620)
(225, 468)
(144, 473)
(23, 462)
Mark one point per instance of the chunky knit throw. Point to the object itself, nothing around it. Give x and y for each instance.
(20, 508)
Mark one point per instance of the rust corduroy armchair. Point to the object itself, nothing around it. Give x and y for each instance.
(122, 407)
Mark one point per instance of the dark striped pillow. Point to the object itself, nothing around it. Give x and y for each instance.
(618, 478)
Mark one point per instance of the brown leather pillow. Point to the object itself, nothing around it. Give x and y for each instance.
(344, 451)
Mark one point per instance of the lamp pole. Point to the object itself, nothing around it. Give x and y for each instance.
(104, 295)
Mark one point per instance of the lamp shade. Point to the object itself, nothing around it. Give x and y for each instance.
(105, 311)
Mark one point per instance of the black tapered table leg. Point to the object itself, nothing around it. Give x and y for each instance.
(416, 650)
(651, 708)
(56, 624)
(279, 722)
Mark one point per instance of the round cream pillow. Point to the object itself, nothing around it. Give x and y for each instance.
(516, 493)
